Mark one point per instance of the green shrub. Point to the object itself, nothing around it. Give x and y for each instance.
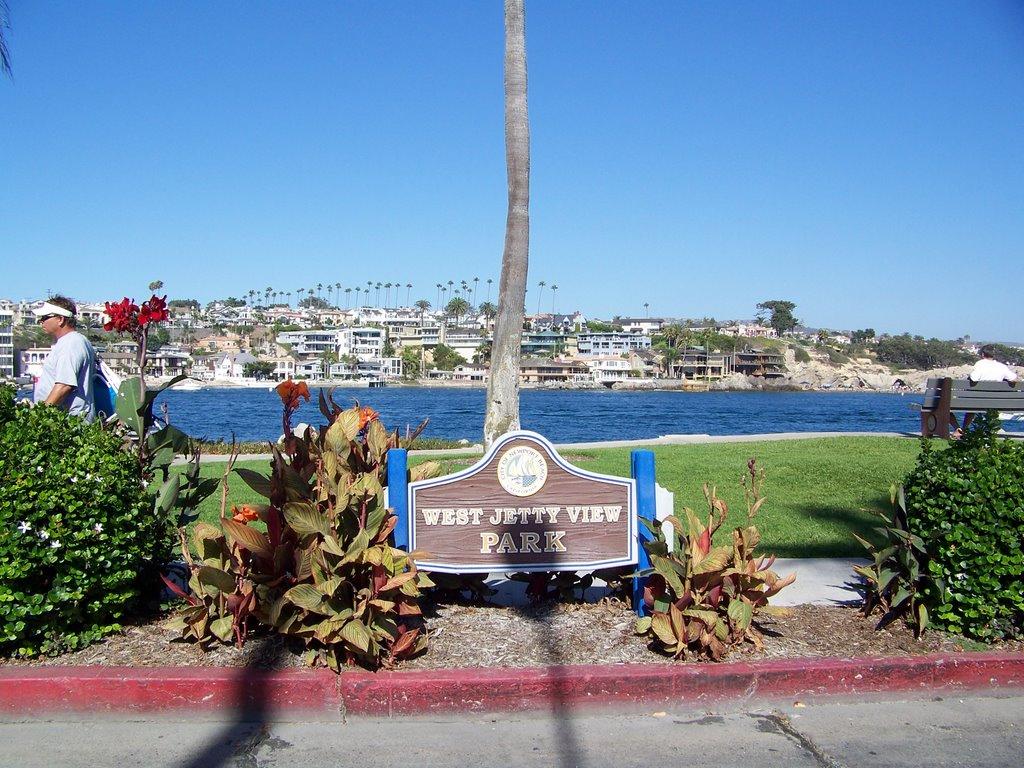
(801, 355)
(79, 541)
(967, 504)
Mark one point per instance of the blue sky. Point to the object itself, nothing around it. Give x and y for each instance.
(863, 160)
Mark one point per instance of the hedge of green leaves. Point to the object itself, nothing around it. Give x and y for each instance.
(79, 542)
(967, 504)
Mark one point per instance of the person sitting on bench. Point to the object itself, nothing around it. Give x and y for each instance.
(986, 369)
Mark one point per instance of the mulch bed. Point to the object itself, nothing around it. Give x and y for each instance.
(465, 635)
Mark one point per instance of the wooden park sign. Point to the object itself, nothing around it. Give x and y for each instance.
(522, 507)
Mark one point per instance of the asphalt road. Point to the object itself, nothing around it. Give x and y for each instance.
(969, 731)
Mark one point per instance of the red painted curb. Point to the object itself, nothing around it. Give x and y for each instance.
(256, 694)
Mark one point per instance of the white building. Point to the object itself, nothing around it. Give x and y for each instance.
(364, 343)
(30, 361)
(6, 343)
(648, 325)
(751, 331)
(608, 369)
(232, 367)
(611, 343)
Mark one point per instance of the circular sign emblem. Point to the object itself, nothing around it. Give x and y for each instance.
(522, 470)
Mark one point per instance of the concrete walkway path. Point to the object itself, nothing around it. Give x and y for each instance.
(477, 449)
(819, 580)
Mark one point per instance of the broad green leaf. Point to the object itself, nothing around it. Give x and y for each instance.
(662, 627)
(222, 628)
(255, 480)
(715, 560)
(664, 567)
(246, 537)
(168, 494)
(740, 613)
(358, 545)
(305, 518)
(356, 633)
(216, 578)
(305, 596)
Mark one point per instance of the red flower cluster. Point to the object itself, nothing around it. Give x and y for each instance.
(126, 316)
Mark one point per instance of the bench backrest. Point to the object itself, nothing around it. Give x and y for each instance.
(979, 396)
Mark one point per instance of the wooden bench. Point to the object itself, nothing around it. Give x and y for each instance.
(945, 396)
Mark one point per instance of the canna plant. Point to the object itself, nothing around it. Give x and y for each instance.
(702, 598)
(324, 571)
(896, 575)
(222, 596)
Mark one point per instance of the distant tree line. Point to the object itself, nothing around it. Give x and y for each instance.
(918, 352)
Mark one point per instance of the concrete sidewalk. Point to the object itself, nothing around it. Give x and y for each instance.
(477, 449)
(819, 580)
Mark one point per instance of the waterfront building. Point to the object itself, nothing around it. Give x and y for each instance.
(699, 363)
(611, 343)
(365, 343)
(758, 362)
(232, 367)
(607, 369)
(543, 371)
(6, 343)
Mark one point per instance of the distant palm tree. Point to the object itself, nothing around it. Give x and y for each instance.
(348, 294)
(422, 305)
(337, 295)
(438, 293)
(489, 281)
(476, 280)
(450, 284)
(554, 289)
(266, 294)
(457, 307)
(489, 311)
(300, 291)
(647, 309)
(289, 295)
(540, 285)
(387, 294)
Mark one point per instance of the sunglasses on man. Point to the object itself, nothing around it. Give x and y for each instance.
(44, 318)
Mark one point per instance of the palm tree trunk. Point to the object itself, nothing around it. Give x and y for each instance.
(503, 387)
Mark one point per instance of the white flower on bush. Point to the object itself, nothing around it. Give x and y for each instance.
(55, 544)
(44, 535)
(98, 528)
(74, 478)
(39, 470)
(24, 527)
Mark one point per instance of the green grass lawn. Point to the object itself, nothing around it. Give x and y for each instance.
(818, 490)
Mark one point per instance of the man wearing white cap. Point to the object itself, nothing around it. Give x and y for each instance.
(67, 377)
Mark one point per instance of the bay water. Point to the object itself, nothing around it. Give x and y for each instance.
(561, 415)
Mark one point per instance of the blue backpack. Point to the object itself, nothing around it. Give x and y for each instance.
(104, 391)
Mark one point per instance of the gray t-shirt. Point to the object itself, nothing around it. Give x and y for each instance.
(71, 361)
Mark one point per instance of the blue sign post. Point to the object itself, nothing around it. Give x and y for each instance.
(398, 485)
(642, 470)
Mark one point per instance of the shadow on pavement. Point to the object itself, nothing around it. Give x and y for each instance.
(241, 737)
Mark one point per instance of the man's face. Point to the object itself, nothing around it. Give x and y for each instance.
(52, 324)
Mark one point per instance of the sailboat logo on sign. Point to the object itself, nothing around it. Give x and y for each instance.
(522, 471)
